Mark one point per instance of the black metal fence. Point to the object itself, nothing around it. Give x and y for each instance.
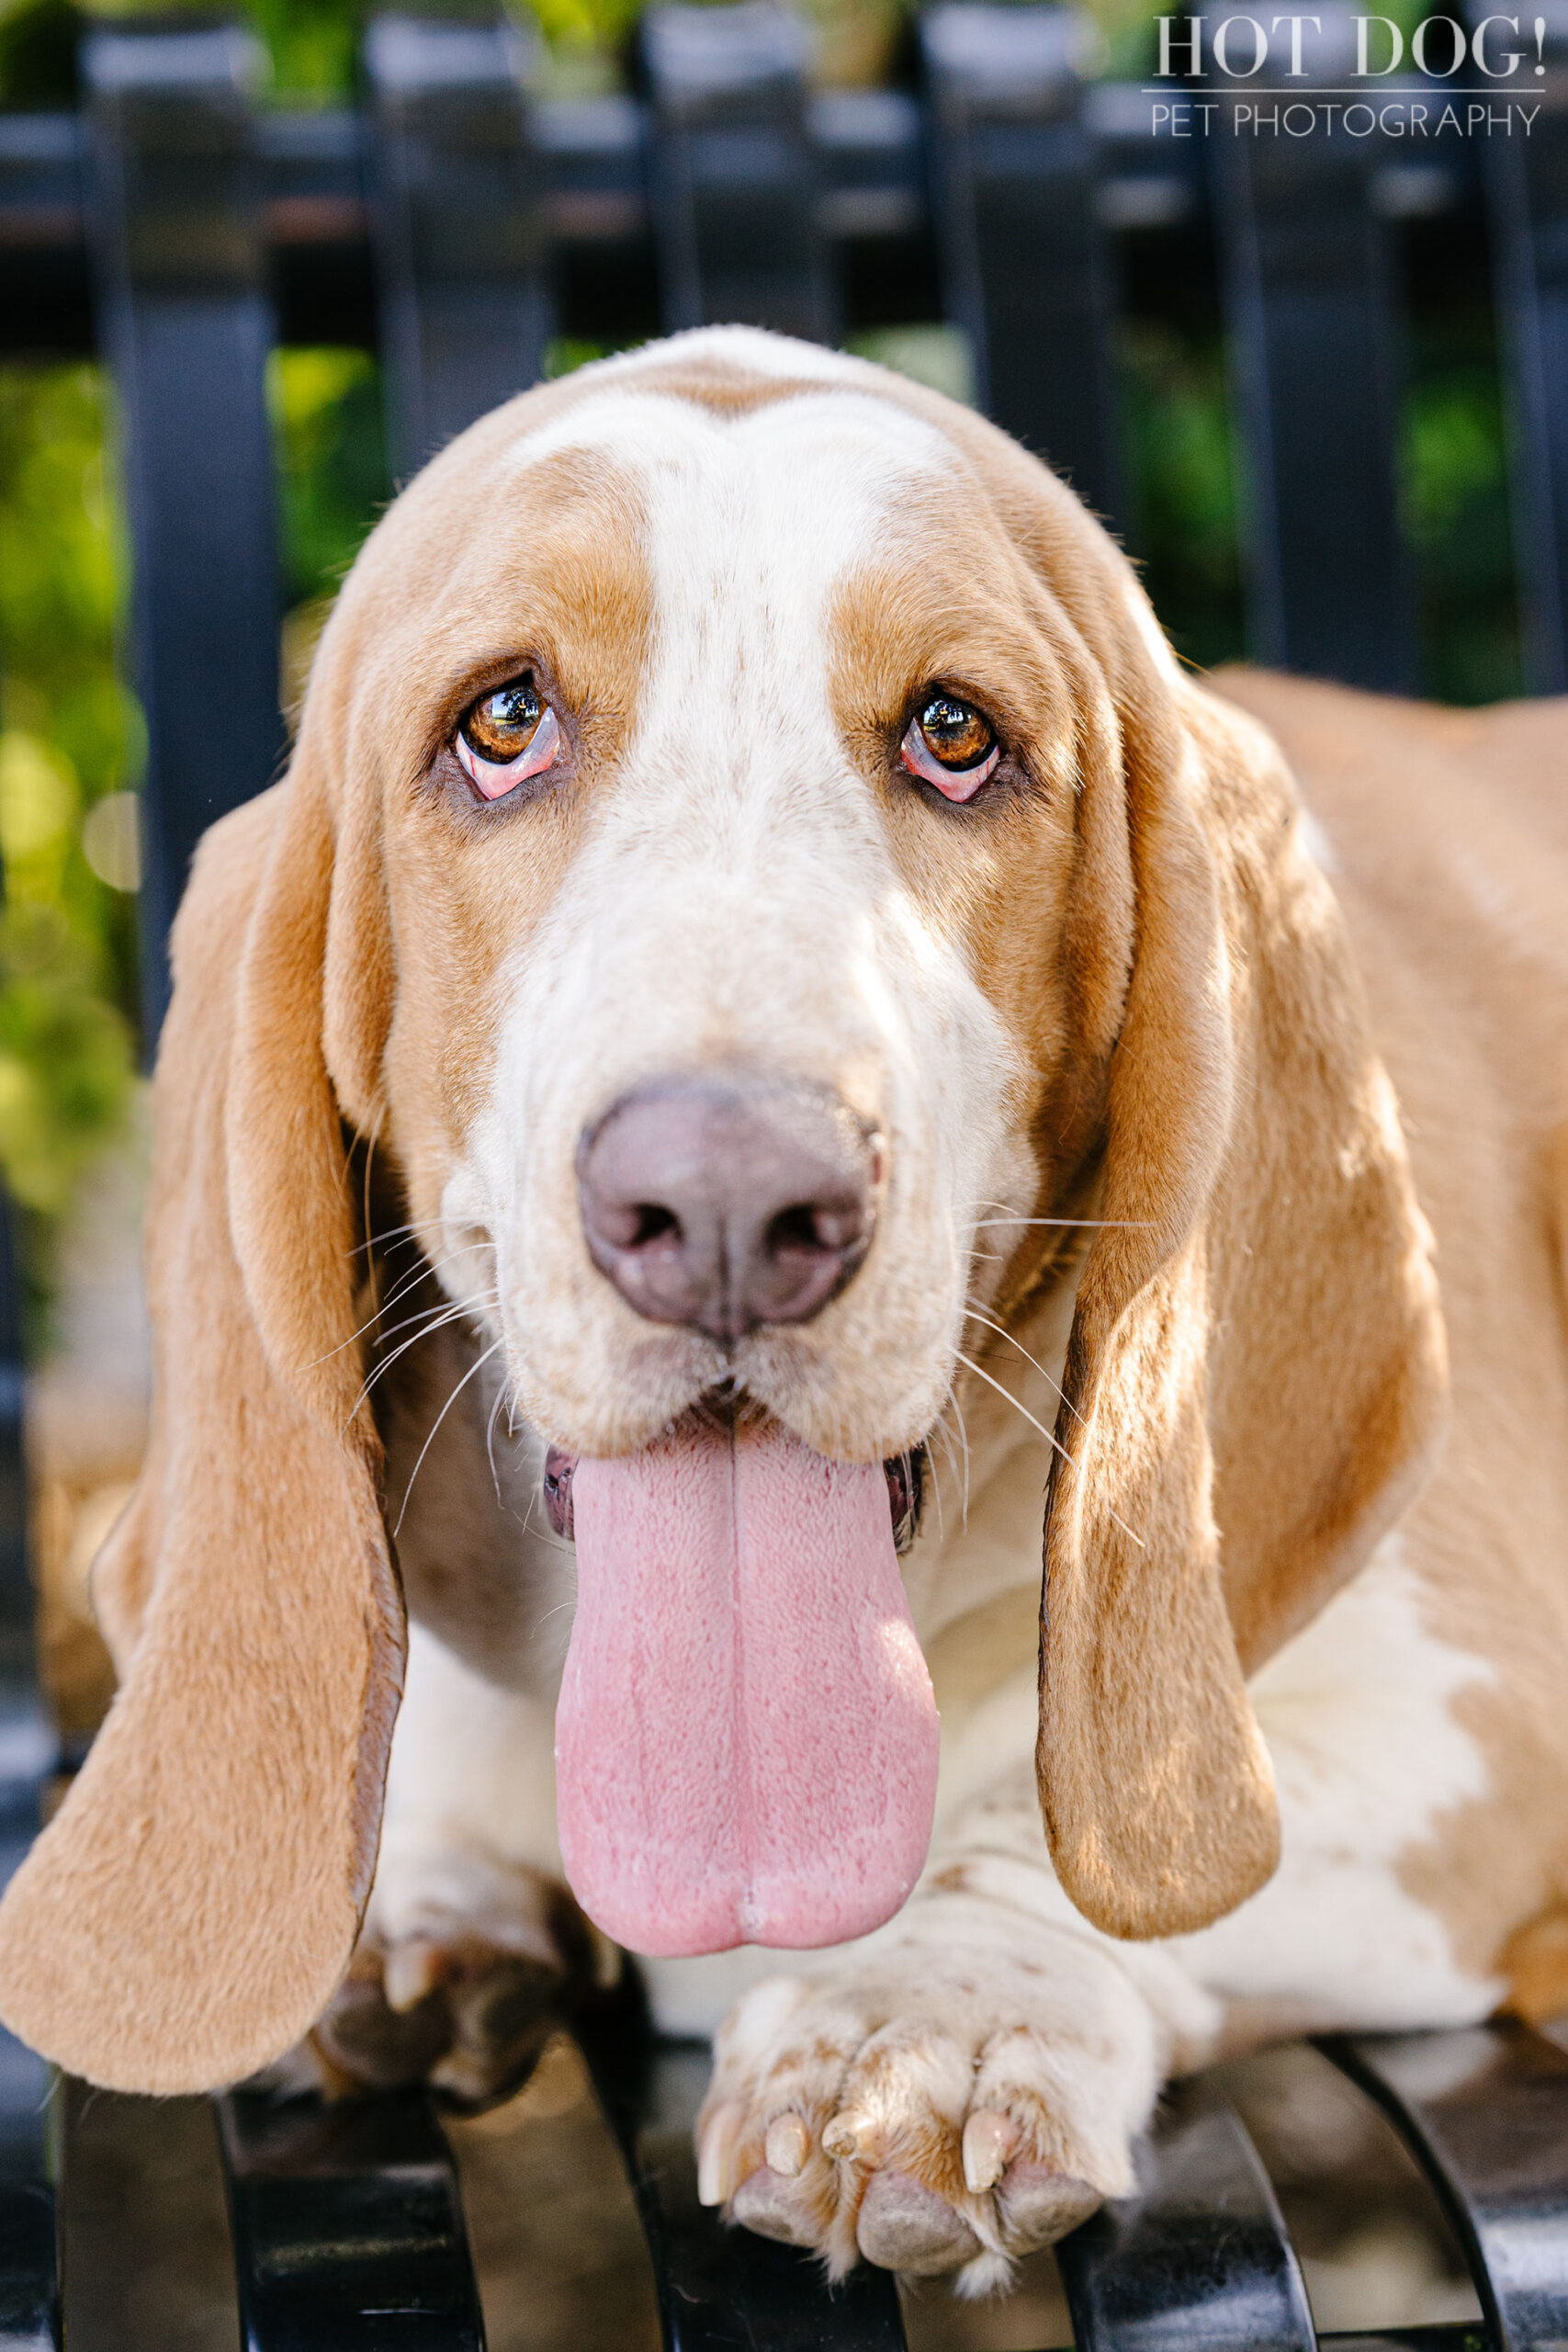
(451, 223)
(456, 225)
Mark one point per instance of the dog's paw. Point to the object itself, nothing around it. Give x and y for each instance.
(936, 2120)
(462, 1972)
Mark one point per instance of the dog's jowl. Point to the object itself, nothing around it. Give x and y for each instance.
(773, 1063)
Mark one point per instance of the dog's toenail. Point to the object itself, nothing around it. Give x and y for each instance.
(787, 2145)
(715, 2155)
(989, 2142)
(855, 2136)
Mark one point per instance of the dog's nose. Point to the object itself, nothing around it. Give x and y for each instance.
(727, 1203)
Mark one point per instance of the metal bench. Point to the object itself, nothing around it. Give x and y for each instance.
(458, 225)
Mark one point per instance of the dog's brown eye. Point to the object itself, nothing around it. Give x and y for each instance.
(956, 732)
(950, 744)
(506, 736)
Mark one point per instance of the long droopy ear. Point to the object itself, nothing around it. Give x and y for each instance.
(192, 1907)
(1256, 1370)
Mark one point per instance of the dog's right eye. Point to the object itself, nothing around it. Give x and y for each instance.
(507, 736)
(950, 744)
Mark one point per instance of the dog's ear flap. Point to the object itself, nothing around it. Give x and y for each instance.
(193, 1906)
(1255, 1371)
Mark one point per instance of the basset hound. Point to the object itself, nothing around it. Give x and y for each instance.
(771, 1046)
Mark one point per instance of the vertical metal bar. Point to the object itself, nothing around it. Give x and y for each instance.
(147, 2257)
(1025, 266)
(29, 2267)
(185, 324)
(466, 309)
(29, 2277)
(348, 2227)
(1485, 2111)
(1526, 180)
(1312, 311)
(717, 2287)
(737, 205)
(1199, 2256)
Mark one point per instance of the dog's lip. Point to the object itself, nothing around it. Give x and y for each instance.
(905, 1474)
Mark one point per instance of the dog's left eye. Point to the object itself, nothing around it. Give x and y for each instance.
(507, 736)
(950, 744)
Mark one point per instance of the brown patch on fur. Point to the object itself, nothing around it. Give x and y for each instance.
(1256, 1370)
(192, 1907)
(429, 887)
(1449, 832)
(1535, 1961)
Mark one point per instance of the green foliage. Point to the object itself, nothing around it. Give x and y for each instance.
(332, 463)
(70, 745)
(1455, 498)
(1181, 488)
(38, 53)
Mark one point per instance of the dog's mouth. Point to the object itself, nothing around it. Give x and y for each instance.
(746, 1740)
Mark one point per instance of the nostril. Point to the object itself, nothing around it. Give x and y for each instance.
(654, 1223)
(813, 1227)
(633, 1225)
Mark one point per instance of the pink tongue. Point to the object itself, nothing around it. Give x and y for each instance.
(746, 1742)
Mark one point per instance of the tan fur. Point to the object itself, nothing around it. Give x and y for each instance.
(190, 1908)
(1180, 973)
(1256, 1373)
(1451, 835)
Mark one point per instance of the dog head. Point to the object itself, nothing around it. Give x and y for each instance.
(748, 847)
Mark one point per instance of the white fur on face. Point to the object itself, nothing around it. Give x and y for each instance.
(737, 901)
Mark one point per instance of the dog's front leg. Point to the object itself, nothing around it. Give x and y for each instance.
(966, 2083)
(472, 1947)
(960, 2087)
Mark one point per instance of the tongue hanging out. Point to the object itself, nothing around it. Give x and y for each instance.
(746, 1741)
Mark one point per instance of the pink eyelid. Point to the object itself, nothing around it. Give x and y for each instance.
(953, 784)
(494, 781)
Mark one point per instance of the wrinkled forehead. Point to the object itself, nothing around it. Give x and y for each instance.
(771, 507)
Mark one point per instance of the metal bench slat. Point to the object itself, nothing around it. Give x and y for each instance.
(185, 321)
(29, 2267)
(1025, 263)
(1199, 2256)
(348, 2227)
(1485, 2110)
(1442, 2336)
(458, 225)
(1311, 304)
(1525, 182)
(719, 2288)
(734, 180)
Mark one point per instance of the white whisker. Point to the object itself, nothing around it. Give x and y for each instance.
(1084, 1224)
(1050, 1439)
(412, 1281)
(978, 1316)
(490, 1442)
(437, 1321)
(477, 1364)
